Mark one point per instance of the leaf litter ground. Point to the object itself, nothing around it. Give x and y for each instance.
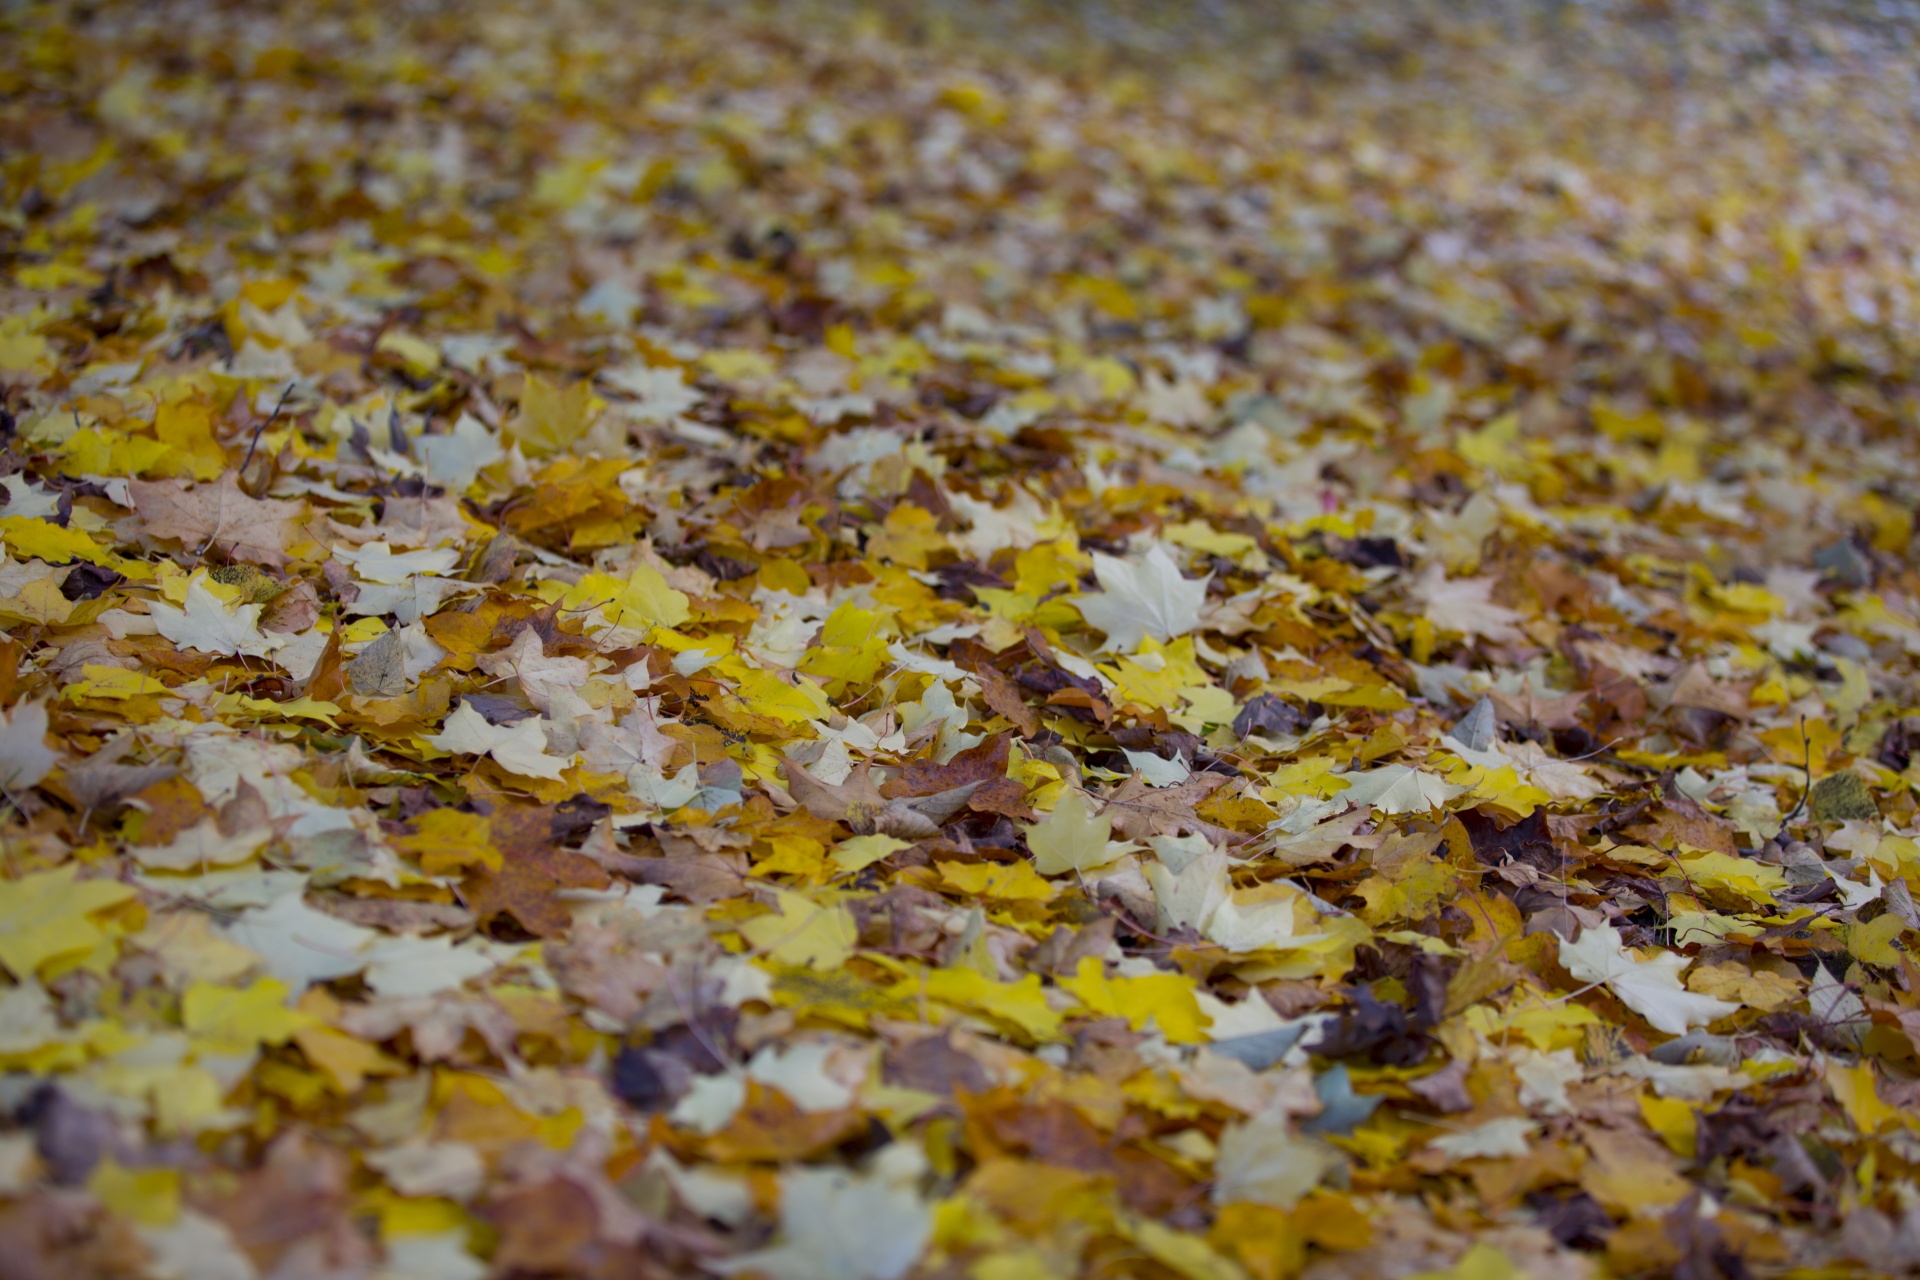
(998, 643)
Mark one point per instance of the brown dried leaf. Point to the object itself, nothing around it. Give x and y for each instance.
(219, 516)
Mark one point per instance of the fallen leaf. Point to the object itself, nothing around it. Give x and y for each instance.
(1650, 986)
(1074, 839)
(208, 624)
(1147, 598)
(220, 516)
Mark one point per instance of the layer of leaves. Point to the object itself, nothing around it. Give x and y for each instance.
(1019, 640)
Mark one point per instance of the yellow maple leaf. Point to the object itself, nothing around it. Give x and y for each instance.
(149, 1197)
(186, 427)
(1023, 1003)
(1760, 989)
(803, 932)
(645, 600)
(112, 683)
(552, 419)
(38, 601)
(1165, 999)
(113, 453)
(31, 538)
(1674, 1119)
(860, 852)
(1181, 1252)
(852, 646)
(1814, 751)
(1853, 1088)
(1743, 877)
(21, 349)
(447, 841)
(908, 537)
(1009, 882)
(1872, 942)
(1050, 565)
(1073, 839)
(1479, 1262)
(239, 706)
(1413, 890)
(53, 914)
(765, 695)
(345, 1060)
(236, 1019)
(420, 357)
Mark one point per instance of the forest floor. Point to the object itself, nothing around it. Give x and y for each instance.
(985, 641)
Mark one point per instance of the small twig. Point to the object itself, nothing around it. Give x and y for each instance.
(1806, 768)
(261, 429)
(692, 1022)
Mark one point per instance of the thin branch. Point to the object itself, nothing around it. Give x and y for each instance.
(261, 429)
(1806, 768)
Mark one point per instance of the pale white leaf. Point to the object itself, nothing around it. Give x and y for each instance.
(651, 787)
(1138, 600)
(1835, 1006)
(422, 1168)
(1179, 402)
(1157, 771)
(801, 1072)
(1854, 894)
(409, 601)
(662, 391)
(25, 758)
(1544, 1078)
(1398, 788)
(1651, 988)
(1693, 1081)
(710, 1193)
(376, 562)
(539, 675)
(1188, 899)
(520, 747)
(209, 625)
(194, 1247)
(202, 845)
(1257, 926)
(455, 460)
(1506, 1136)
(28, 501)
(302, 946)
(1264, 1161)
(437, 1255)
(837, 1226)
(709, 1106)
(1465, 606)
(19, 1162)
(423, 966)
